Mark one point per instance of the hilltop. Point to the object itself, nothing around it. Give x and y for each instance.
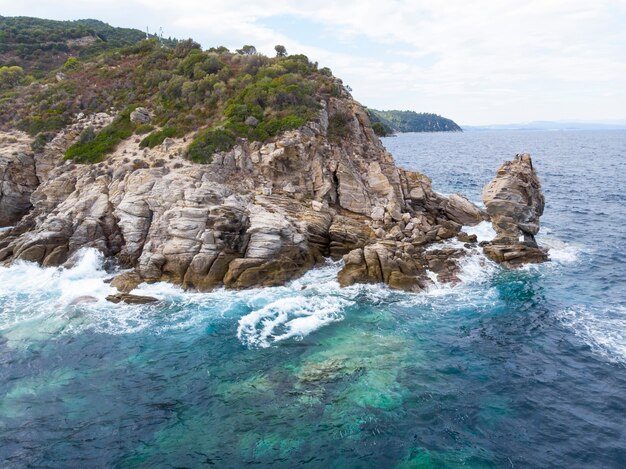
(387, 122)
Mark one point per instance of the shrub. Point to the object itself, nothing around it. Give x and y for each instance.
(40, 141)
(207, 143)
(338, 126)
(71, 63)
(156, 138)
(380, 129)
(143, 129)
(35, 125)
(104, 142)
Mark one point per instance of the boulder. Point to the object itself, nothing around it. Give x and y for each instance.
(140, 116)
(131, 299)
(462, 211)
(126, 281)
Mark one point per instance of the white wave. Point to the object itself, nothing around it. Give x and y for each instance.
(295, 316)
(484, 231)
(603, 329)
(560, 251)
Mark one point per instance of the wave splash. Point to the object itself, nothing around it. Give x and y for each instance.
(604, 330)
(285, 318)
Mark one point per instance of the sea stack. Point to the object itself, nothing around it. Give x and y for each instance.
(515, 202)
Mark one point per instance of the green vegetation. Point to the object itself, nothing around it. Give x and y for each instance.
(39, 45)
(338, 126)
(11, 77)
(156, 138)
(92, 148)
(281, 51)
(410, 121)
(381, 130)
(224, 94)
(71, 63)
(207, 143)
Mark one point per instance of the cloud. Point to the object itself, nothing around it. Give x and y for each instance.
(473, 60)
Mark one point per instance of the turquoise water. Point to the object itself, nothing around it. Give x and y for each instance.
(519, 368)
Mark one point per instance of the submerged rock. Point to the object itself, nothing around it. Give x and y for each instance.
(515, 202)
(131, 299)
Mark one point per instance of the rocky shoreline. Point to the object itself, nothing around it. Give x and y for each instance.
(258, 215)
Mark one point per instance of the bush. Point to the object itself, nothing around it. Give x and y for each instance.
(71, 63)
(207, 143)
(104, 142)
(143, 129)
(40, 141)
(35, 125)
(338, 126)
(380, 129)
(156, 138)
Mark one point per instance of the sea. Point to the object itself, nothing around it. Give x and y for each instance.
(511, 368)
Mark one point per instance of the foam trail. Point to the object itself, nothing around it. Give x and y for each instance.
(604, 330)
(284, 318)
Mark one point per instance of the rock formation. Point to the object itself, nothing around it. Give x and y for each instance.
(18, 178)
(260, 214)
(515, 202)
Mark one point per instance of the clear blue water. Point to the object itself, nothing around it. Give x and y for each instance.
(510, 369)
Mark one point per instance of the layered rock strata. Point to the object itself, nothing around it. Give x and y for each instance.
(515, 202)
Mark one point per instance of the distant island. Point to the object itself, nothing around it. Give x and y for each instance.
(387, 122)
(550, 125)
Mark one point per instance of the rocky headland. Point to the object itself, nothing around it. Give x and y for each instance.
(217, 168)
(260, 214)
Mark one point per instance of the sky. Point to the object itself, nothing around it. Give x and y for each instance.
(474, 61)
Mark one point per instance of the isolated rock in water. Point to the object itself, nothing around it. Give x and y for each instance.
(131, 299)
(140, 116)
(515, 202)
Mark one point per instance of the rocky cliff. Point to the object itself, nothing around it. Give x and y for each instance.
(260, 214)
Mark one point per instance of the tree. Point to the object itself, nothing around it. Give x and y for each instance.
(11, 76)
(281, 51)
(247, 50)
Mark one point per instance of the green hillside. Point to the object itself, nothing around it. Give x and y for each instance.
(38, 45)
(410, 121)
(222, 95)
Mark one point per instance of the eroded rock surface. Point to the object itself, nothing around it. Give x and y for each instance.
(18, 176)
(257, 215)
(515, 202)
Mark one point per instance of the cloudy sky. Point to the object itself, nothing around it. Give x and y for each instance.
(475, 61)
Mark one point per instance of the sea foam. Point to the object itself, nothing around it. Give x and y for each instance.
(603, 329)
